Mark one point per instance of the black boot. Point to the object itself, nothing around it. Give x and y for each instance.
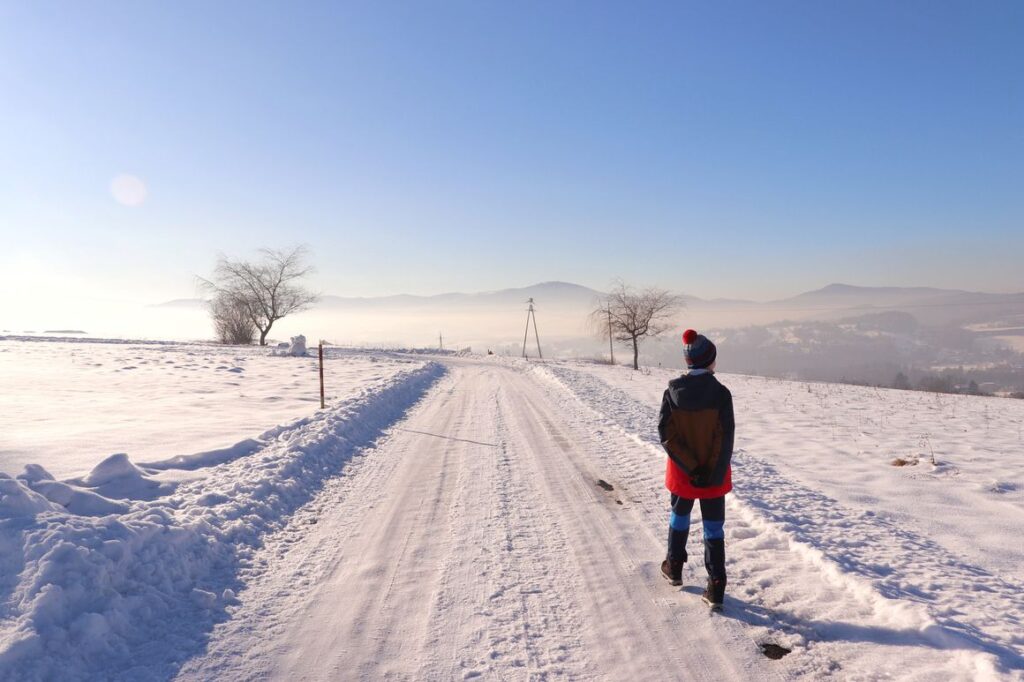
(714, 594)
(673, 571)
(714, 562)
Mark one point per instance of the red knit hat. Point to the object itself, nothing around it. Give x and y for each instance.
(698, 350)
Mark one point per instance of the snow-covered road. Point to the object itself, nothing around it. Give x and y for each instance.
(477, 542)
(483, 517)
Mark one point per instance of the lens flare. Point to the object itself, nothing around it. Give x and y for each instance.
(128, 190)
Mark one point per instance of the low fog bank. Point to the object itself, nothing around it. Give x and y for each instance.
(888, 349)
(912, 338)
(395, 327)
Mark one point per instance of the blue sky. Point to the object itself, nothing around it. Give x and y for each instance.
(729, 149)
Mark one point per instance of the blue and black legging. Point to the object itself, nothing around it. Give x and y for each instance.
(712, 513)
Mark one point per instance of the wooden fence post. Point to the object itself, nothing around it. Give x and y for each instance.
(321, 374)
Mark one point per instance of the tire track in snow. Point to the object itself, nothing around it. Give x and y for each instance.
(513, 614)
(371, 607)
(466, 585)
(517, 569)
(321, 542)
(641, 627)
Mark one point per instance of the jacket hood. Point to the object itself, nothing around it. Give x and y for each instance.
(690, 391)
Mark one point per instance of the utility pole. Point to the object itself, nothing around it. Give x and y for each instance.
(611, 346)
(440, 340)
(530, 314)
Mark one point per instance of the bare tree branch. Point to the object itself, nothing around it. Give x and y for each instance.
(231, 319)
(629, 316)
(268, 290)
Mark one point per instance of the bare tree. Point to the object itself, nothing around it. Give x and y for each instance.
(268, 290)
(231, 320)
(627, 315)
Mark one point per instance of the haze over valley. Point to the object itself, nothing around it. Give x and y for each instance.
(836, 333)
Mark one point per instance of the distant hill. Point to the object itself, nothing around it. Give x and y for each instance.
(182, 303)
(929, 306)
(546, 294)
(848, 290)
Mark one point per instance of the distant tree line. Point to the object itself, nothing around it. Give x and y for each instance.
(958, 380)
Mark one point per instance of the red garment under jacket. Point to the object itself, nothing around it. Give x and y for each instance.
(678, 483)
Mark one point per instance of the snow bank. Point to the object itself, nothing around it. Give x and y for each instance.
(214, 457)
(16, 500)
(132, 591)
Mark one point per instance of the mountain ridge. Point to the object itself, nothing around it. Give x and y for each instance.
(837, 292)
(929, 306)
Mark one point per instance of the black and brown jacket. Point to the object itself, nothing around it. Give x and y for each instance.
(697, 427)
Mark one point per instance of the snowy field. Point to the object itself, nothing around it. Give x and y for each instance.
(485, 518)
(67, 405)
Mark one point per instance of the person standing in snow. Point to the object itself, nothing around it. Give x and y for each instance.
(697, 427)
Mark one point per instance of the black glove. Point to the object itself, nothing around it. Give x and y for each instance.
(700, 477)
